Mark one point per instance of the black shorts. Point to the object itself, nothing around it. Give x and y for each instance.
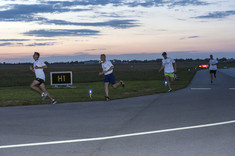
(40, 81)
(212, 71)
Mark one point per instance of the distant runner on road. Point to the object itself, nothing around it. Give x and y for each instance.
(108, 67)
(169, 70)
(212, 67)
(37, 68)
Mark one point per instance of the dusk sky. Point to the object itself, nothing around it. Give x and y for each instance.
(82, 29)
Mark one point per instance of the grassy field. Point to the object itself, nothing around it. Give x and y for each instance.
(140, 79)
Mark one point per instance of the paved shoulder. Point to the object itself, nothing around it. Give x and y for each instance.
(230, 71)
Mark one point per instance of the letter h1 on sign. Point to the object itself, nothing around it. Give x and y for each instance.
(61, 78)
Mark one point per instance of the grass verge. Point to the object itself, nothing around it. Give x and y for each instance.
(18, 96)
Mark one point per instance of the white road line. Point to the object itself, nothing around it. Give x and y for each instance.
(200, 88)
(231, 88)
(115, 136)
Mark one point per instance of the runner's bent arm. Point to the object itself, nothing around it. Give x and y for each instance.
(31, 68)
(162, 67)
(111, 68)
(175, 67)
(43, 67)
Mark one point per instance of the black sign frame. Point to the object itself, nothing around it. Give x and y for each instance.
(61, 78)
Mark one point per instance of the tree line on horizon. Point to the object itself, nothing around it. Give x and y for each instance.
(115, 61)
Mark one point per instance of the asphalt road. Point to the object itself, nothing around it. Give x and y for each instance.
(200, 104)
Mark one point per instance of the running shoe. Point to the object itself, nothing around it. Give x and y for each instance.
(170, 90)
(44, 95)
(122, 83)
(107, 98)
(53, 101)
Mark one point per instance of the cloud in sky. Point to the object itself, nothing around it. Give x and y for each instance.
(24, 12)
(5, 44)
(112, 23)
(188, 2)
(24, 42)
(7, 40)
(44, 39)
(132, 3)
(193, 36)
(12, 44)
(41, 44)
(61, 32)
(29, 12)
(216, 14)
(189, 37)
(34, 12)
(100, 49)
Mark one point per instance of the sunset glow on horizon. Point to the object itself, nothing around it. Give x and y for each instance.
(92, 27)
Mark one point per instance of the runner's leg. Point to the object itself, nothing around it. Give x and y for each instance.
(172, 79)
(211, 77)
(34, 87)
(168, 82)
(106, 88)
(42, 86)
(116, 85)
